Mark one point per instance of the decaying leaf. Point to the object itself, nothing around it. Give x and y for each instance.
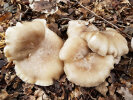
(27, 88)
(125, 93)
(75, 94)
(118, 12)
(112, 90)
(44, 6)
(3, 94)
(40, 95)
(102, 88)
(9, 77)
(5, 16)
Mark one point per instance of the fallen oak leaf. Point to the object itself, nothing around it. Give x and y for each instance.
(5, 16)
(3, 95)
(102, 88)
(125, 93)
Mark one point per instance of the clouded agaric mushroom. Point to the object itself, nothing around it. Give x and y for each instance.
(34, 49)
(81, 65)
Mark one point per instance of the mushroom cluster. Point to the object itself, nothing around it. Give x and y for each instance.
(90, 54)
(34, 49)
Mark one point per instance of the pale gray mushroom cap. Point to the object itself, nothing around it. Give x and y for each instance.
(34, 49)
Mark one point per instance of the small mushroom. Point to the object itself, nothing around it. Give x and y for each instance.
(132, 43)
(34, 49)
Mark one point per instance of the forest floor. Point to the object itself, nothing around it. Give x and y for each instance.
(118, 86)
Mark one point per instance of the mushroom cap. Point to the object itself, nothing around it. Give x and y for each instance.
(132, 43)
(23, 39)
(89, 71)
(108, 42)
(73, 49)
(76, 28)
(34, 50)
(79, 27)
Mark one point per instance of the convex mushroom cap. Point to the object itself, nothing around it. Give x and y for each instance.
(34, 49)
(81, 65)
(108, 42)
(73, 49)
(90, 71)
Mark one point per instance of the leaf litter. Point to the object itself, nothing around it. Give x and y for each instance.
(119, 86)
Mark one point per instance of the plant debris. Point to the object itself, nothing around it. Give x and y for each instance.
(102, 13)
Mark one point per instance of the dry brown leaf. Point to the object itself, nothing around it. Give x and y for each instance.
(3, 94)
(5, 16)
(27, 88)
(9, 77)
(2, 2)
(112, 89)
(40, 95)
(32, 97)
(125, 93)
(101, 98)
(102, 88)
(76, 93)
(131, 89)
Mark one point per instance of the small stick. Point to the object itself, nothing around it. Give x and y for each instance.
(9, 65)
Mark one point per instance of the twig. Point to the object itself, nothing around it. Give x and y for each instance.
(65, 19)
(9, 65)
